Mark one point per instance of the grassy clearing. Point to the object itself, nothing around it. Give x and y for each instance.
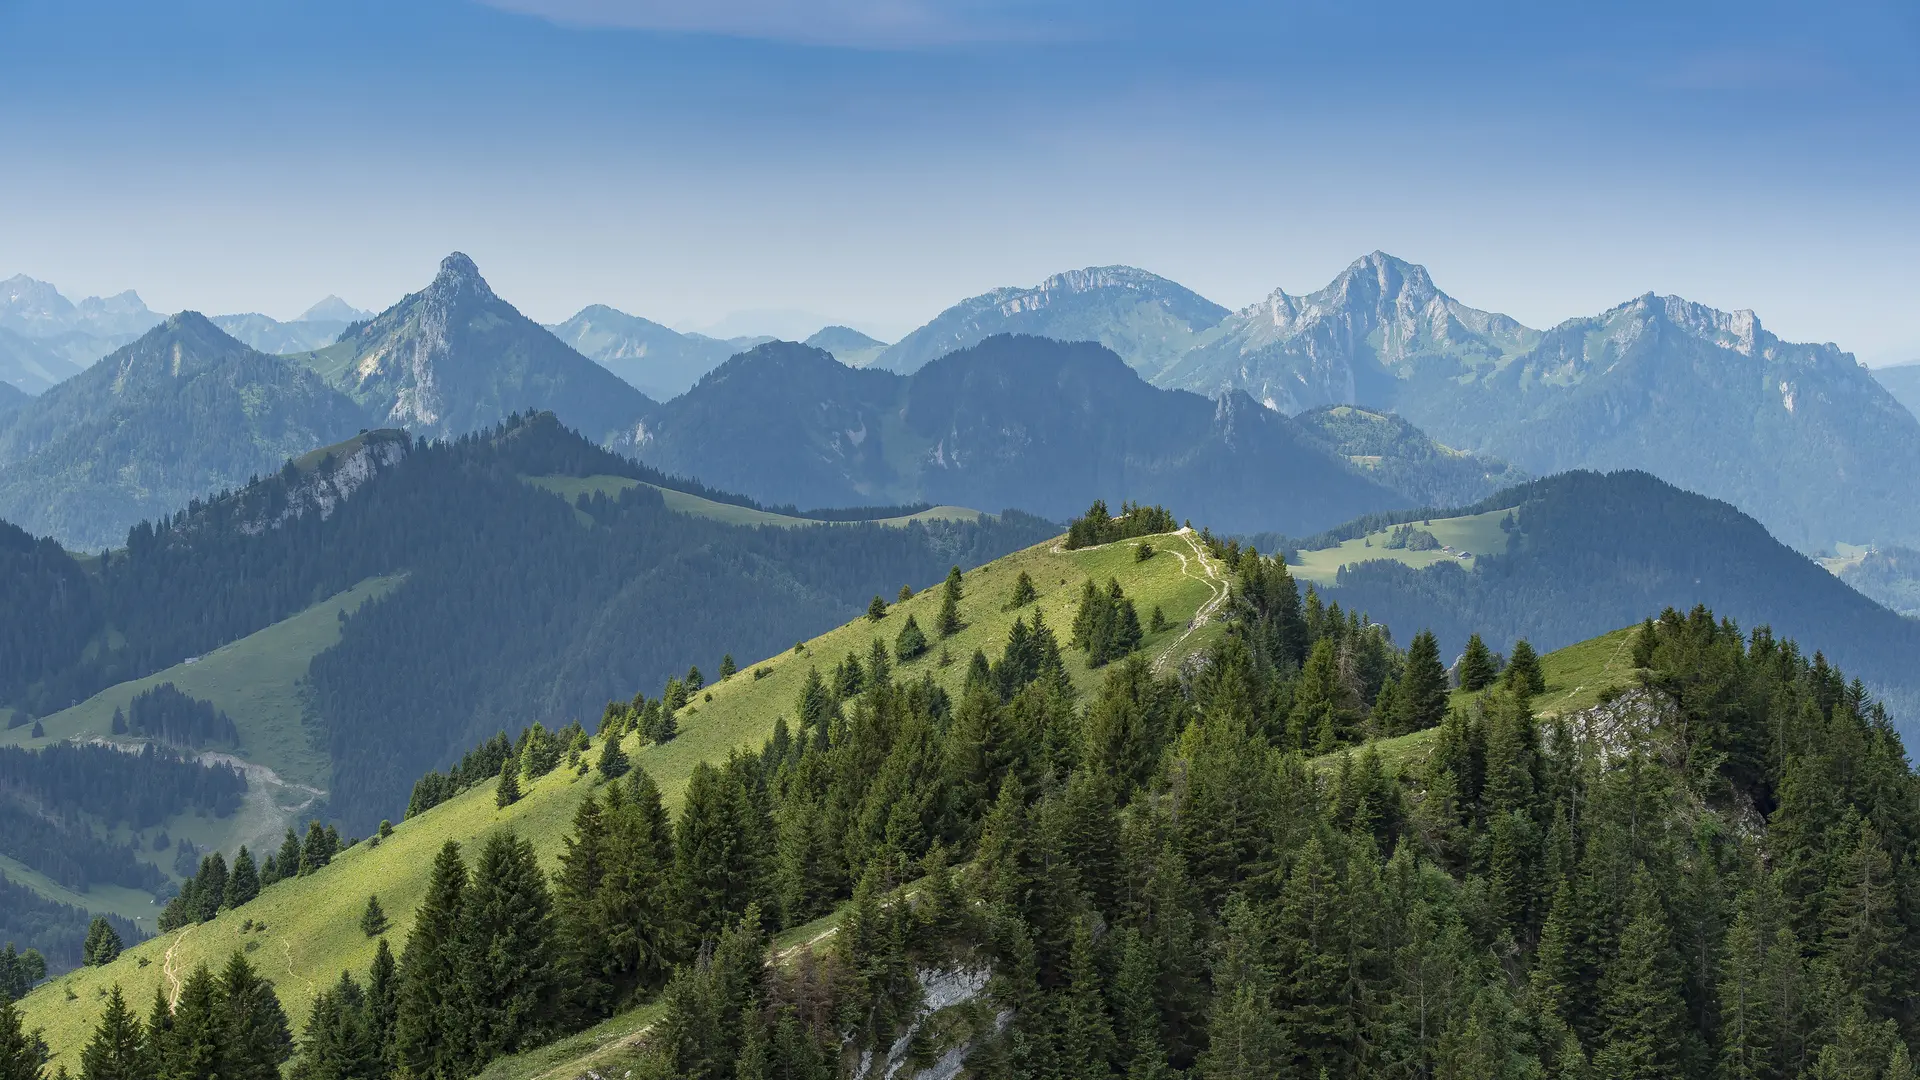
(255, 680)
(1578, 676)
(571, 488)
(311, 925)
(1474, 533)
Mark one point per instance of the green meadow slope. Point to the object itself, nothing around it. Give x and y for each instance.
(1461, 539)
(302, 933)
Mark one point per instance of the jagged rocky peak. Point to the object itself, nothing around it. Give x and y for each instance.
(459, 281)
(1101, 277)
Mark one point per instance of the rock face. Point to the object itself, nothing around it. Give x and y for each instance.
(1380, 321)
(77, 334)
(454, 358)
(1146, 319)
(181, 413)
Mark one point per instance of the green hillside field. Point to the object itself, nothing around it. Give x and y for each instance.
(302, 933)
(1474, 534)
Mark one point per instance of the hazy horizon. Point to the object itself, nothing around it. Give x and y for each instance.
(871, 163)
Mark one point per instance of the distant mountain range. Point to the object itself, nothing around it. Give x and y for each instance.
(1149, 321)
(75, 333)
(1801, 436)
(1013, 421)
(1903, 382)
(655, 360)
(179, 414)
(316, 328)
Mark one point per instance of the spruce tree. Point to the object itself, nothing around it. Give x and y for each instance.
(243, 882)
(383, 987)
(118, 1049)
(718, 871)
(1245, 1032)
(1641, 1003)
(288, 864)
(432, 1023)
(338, 1043)
(906, 594)
(256, 1037)
(210, 885)
(1523, 675)
(1476, 666)
(876, 608)
(1861, 936)
(507, 949)
(193, 1047)
(911, 643)
(315, 851)
(508, 791)
(948, 623)
(1423, 686)
(373, 921)
(1087, 1044)
(20, 1056)
(613, 763)
(1024, 592)
(103, 943)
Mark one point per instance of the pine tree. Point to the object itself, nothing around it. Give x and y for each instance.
(613, 763)
(1746, 1027)
(876, 608)
(906, 594)
(508, 791)
(256, 1037)
(1246, 1036)
(117, 1050)
(911, 643)
(1645, 1014)
(315, 851)
(1423, 686)
(1476, 666)
(948, 623)
(193, 1046)
(20, 1055)
(103, 943)
(1523, 675)
(507, 949)
(432, 1025)
(1087, 1043)
(1024, 592)
(288, 864)
(1861, 935)
(338, 1042)
(243, 882)
(210, 885)
(383, 987)
(718, 870)
(373, 921)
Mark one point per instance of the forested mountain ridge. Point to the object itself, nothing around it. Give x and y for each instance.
(181, 413)
(455, 358)
(1406, 459)
(657, 361)
(1300, 856)
(1012, 421)
(28, 366)
(1588, 551)
(516, 606)
(1146, 319)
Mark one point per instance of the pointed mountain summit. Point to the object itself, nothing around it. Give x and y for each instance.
(849, 346)
(455, 358)
(333, 309)
(658, 361)
(180, 413)
(1148, 320)
(1347, 344)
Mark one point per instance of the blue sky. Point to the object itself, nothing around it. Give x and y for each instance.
(871, 161)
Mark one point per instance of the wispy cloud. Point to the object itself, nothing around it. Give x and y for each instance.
(864, 24)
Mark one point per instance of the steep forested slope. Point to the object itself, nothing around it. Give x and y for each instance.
(1294, 857)
(1593, 551)
(515, 607)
